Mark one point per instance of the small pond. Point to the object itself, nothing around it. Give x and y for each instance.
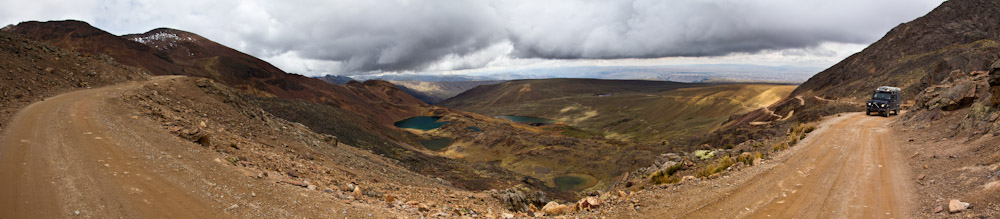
(535, 121)
(421, 122)
(474, 128)
(574, 182)
(436, 144)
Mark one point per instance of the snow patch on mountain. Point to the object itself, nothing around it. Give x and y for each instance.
(161, 40)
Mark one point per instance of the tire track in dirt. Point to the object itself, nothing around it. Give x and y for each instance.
(57, 158)
(851, 170)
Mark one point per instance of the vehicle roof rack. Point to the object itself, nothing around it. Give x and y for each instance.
(888, 89)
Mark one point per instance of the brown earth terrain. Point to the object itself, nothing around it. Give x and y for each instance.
(85, 136)
(851, 166)
(147, 149)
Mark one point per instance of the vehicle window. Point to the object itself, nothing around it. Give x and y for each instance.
(881, 96)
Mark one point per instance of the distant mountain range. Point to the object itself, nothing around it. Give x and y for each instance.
(677, 73)
(436, 91)
(432, 88)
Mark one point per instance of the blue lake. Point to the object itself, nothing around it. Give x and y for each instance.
(421, 122)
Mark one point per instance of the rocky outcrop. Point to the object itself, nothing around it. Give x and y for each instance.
(957, 91)
(970, 95)
(520, 199)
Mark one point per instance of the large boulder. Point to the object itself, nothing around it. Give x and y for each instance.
(554, 208)
(955, 206)
(519, 199)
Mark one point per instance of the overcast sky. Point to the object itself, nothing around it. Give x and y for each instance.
(442, 36)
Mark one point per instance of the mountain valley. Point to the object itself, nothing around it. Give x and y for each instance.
(168, 123)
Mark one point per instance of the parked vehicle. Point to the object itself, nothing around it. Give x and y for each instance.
(885, 100)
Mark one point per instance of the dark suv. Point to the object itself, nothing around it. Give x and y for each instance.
(884, 100)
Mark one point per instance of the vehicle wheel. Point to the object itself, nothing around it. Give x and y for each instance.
(895, 112)
(868, 112)
(885, 114)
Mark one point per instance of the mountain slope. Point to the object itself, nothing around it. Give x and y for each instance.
(31, 71)
(961, 35)
(958, 35)
(358, 113)
(167, 51)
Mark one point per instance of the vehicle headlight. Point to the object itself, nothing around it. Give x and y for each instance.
(883, 105)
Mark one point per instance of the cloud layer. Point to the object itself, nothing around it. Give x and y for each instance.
(353, 37)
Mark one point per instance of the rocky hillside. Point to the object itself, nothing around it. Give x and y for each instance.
(31, 71)
(167, 51)
(958, 35)
(360, 114)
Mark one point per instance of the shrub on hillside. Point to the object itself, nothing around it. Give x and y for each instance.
(720, 164)
(666, 175)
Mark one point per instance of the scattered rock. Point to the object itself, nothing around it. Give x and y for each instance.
(589, 202)
(554, 208)
(357, 191)
(507, 216)
(921, 177)
(690, 177)
(956, 206)
(938, 209)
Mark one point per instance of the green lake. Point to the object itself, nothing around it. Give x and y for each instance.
(574, 182)
(436, 144)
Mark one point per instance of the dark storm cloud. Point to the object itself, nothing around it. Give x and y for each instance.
(653, 28)
(357, 37)
(380, 35)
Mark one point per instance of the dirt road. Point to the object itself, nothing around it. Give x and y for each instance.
(850, 167)
(58, 158)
